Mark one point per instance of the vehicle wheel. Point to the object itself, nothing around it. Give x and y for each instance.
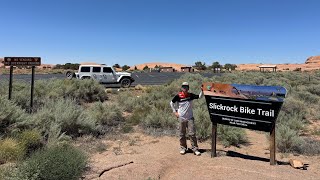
(69, 75)
(125, 82)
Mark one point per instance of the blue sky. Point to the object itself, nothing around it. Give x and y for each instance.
(181, 31)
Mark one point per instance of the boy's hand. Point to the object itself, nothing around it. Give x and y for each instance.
(176, 114)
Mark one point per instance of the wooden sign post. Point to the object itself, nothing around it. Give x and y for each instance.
(22, 61)
(244, 106)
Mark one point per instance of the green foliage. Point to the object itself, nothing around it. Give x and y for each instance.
(125, 67)
(104, 116)
(116, 66)
(287, 139)
(315, 89)
(83, 91)
(10, 115)
(202, 121)
(71, 66)
(200, 66)
(215, 65)
(229, 135)
(230, 66)
(145, 68)
(30, 139)
(309, 147)
(158, 119)
(11, 150)
(62, 115)
(56, 162)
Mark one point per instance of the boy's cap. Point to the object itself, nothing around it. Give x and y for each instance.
(185, 84)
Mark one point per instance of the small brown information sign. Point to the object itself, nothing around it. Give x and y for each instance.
(22, 61)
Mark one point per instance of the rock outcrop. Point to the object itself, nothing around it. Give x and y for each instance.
(313, 60)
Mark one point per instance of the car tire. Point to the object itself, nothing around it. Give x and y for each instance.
(125, 82)
(70, 75)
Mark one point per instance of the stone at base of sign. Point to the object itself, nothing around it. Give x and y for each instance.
(297, 164)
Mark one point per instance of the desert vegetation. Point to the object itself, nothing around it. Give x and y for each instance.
(41, 145)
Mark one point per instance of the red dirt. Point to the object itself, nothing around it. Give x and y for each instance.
(159, 158)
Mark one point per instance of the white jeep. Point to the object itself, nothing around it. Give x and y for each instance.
(103, 74)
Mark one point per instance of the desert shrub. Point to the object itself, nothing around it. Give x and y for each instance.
(315, 89)
(309, 147)
(129, 102)
(11, 150)
(203, 122)
(30, 139)
(82, 91)
(86, 90)
(158, 119)
(294, 121)
(56, 162)
(104, 116)
(10, 115)
(287, 139)
(138, 115)
(62, 114)
(229, 135)
(294, 106)
(9, 171)
(308, 97)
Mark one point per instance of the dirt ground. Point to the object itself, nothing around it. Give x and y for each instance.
(159, 158)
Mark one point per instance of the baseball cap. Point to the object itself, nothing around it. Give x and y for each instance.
(185, 84)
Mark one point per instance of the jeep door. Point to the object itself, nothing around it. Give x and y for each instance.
(97, 74)
(108, 75)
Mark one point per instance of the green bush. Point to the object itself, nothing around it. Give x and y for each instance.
(203, 122)
(315, 89)
(30, 139)
(229, 135)
(137, 115)
(158, 119)
(10, 115)
(309, 147)
(10, 150)
(104, 116)
(287, 139)
(62, 115)
(63, 162)
(82, 91)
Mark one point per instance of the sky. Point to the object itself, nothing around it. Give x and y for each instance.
(181, 31)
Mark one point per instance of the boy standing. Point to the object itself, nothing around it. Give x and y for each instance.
(185, 115)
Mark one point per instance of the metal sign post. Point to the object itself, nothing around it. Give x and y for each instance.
(22, 61)
(10, 83)
(244, 106)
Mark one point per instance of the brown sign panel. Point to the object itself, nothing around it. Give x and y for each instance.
(22, 61)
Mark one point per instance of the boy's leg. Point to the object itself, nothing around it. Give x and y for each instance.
(192, 134)
(183, 140)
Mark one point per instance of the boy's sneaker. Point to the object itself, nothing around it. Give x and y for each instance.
(196, 152)
(183, 151)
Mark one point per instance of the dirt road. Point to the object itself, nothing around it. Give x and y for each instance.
(159, 158)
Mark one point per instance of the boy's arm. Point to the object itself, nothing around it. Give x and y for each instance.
(173, 103)
(197, 96)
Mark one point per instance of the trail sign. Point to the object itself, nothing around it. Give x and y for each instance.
(22, 61)
(245, 106)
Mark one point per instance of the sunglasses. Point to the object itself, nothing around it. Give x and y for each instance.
(185, 87)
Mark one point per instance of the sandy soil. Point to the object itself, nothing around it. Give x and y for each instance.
(159, 158)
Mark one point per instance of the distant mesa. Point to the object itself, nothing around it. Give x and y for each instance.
(313, 60)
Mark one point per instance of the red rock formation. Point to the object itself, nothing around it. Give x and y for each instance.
(313, 60)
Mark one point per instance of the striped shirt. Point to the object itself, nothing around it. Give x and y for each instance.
(183, 105)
